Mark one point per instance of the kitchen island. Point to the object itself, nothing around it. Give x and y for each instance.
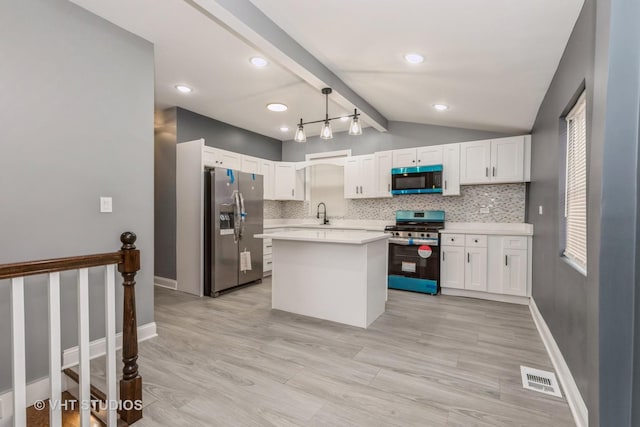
(330, 274)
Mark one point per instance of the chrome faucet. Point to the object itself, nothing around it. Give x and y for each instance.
(325, 220)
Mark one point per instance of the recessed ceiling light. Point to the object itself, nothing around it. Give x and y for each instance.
(440, 107)
(184, 89)
(277, 107)
(414, 58)
(284, 129)
(259, 62)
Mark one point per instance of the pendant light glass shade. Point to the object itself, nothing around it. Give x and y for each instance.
(299, 135)
(326, 132)
(355, 128)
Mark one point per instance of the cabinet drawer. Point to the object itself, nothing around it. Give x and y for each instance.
(452, 240)
(268, 248)
(476, 240)
(267, 262)
(514, 242)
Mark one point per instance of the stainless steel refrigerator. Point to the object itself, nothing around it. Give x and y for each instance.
(233, 206)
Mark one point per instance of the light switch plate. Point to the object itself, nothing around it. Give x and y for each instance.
(540, 210)
(106, 205)
(484, 210)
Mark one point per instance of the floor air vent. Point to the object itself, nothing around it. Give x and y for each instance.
(542, 381)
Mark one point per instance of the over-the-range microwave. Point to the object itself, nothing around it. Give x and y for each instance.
(416, 180)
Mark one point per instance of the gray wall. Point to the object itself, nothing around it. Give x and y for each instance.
(218, 134)
(560, 291)
(619, 302)
(76, 113)
(400, 135)
(180, 125)
(592, 318)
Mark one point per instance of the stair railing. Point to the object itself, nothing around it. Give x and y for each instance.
(129, 404)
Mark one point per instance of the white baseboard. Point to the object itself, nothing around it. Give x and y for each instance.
(97, 348)
(163, 282)
(36, 390)
(574, 398)
(513, 299)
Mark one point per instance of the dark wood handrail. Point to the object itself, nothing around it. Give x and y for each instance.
(31, 268)
(128, 260)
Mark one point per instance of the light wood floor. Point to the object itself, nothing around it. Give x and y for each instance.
(427, 361)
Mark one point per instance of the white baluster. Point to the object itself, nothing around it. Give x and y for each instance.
(110, 324)
(84, 372)
(17, 339)
(55, 365)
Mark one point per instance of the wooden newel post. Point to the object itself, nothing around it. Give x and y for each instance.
(131, 383)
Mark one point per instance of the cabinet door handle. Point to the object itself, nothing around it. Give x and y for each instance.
(486, 172)
(445, 184)
(388, 187)
(506, 260)
(361, 189)
(468, 257)
(292, 192)
(413, 161)
(493, 172)
(442, 256)
(419, 160)
(356, 189)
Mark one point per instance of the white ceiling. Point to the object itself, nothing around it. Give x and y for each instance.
(491, 61)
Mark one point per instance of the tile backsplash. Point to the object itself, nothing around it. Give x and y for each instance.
(505, 203)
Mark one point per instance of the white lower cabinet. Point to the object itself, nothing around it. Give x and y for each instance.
(452, 267)
(475, 269)
(488, 264)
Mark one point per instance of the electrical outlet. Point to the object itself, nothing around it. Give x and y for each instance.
(540, 210)
(484, 210)
(106, 205)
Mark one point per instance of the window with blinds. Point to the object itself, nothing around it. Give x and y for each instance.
(575, 207)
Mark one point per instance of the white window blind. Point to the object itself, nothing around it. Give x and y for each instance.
(576, 184)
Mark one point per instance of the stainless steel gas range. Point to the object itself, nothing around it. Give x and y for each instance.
(414, 251)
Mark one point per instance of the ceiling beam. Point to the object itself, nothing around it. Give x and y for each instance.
(247, 21)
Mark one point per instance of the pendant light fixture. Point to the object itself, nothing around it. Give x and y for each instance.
(299, 135)
(355, 128)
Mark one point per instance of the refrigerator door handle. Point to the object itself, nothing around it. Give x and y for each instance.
(243, 214)
(236, 219)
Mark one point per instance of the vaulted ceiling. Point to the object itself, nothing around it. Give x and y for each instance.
(490, 61)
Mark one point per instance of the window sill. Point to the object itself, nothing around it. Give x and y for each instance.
(580, 269)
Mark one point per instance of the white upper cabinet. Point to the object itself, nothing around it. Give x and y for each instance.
(267, 169)
(431, 155)
(250, 164)
(507, 159)
(360, 179)
(383, 165)
(494, 161)
(451, 170)
(404, 158)
(215, 157)
(475, 162)
(229, 160)
(421, 156)
(288, 182)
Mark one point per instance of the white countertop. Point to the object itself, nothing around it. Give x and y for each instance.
(350, 237)
(509, 229)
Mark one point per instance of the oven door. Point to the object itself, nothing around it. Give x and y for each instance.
(414, 264)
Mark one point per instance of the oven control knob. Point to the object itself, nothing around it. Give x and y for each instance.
(421, 234)
(409, 234)
(397, 234)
